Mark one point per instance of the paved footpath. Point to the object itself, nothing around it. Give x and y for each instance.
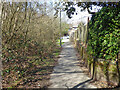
(67, 74)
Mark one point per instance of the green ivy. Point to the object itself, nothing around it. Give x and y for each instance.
(104, 33)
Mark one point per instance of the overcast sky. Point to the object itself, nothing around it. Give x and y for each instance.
(80, 17)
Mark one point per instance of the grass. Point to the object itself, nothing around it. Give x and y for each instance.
(58, 42)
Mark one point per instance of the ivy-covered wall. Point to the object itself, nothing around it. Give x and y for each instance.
(104, 33)
(100, 40)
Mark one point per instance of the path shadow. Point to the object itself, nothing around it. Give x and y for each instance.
(82, 83)
(70, 72)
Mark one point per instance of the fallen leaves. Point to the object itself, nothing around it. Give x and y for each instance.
(29, 72)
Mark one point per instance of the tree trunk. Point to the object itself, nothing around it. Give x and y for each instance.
(93, 74)
(117, 66)
(0, 45)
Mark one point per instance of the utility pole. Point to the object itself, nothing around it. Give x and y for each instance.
(60, 29)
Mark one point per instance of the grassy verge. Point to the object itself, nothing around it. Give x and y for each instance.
(58, 42)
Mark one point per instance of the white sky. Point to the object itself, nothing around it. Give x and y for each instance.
(80, 17)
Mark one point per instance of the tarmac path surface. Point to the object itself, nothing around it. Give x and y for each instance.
(67, 74)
